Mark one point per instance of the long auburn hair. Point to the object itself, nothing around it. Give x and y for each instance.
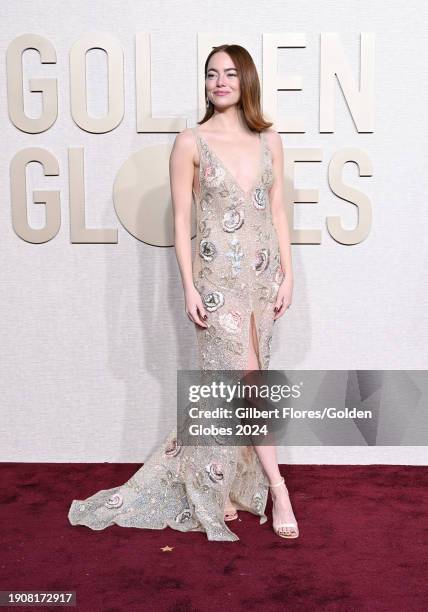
(249, 101)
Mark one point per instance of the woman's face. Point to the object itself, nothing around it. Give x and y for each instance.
(222, 82)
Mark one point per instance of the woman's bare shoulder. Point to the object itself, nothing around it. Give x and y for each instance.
(185, 142)
(187, 135)
(273, 137)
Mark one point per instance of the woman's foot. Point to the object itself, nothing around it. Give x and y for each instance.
(230, 511)
(283, 519)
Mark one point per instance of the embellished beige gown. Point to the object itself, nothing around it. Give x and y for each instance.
(237, 271)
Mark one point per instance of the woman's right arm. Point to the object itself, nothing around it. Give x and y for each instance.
(181, 171)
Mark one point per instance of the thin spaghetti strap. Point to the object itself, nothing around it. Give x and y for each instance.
(198, 138)
(263, 142)
(266, 147)
(200, 180)
(196, 135)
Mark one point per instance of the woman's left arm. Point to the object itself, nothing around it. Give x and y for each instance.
(279, 219)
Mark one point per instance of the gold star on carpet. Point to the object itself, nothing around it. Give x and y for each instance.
(167, 548)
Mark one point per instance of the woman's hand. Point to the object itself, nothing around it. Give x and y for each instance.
(283, 297)
(194, 307)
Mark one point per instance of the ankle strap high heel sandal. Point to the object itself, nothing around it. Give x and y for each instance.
(230, 515)
(285, 530)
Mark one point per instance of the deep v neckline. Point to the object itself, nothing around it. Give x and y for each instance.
(259, 172)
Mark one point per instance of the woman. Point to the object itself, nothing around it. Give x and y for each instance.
(240, 283)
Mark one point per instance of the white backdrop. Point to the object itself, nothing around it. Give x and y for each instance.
(92, 334)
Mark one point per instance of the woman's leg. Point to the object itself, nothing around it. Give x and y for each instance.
(282, 511)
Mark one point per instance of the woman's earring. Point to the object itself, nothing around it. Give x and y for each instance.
(208, 102)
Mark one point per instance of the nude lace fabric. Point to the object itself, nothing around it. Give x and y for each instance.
(236, 270)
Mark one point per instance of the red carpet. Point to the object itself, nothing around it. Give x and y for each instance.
(362, 545)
